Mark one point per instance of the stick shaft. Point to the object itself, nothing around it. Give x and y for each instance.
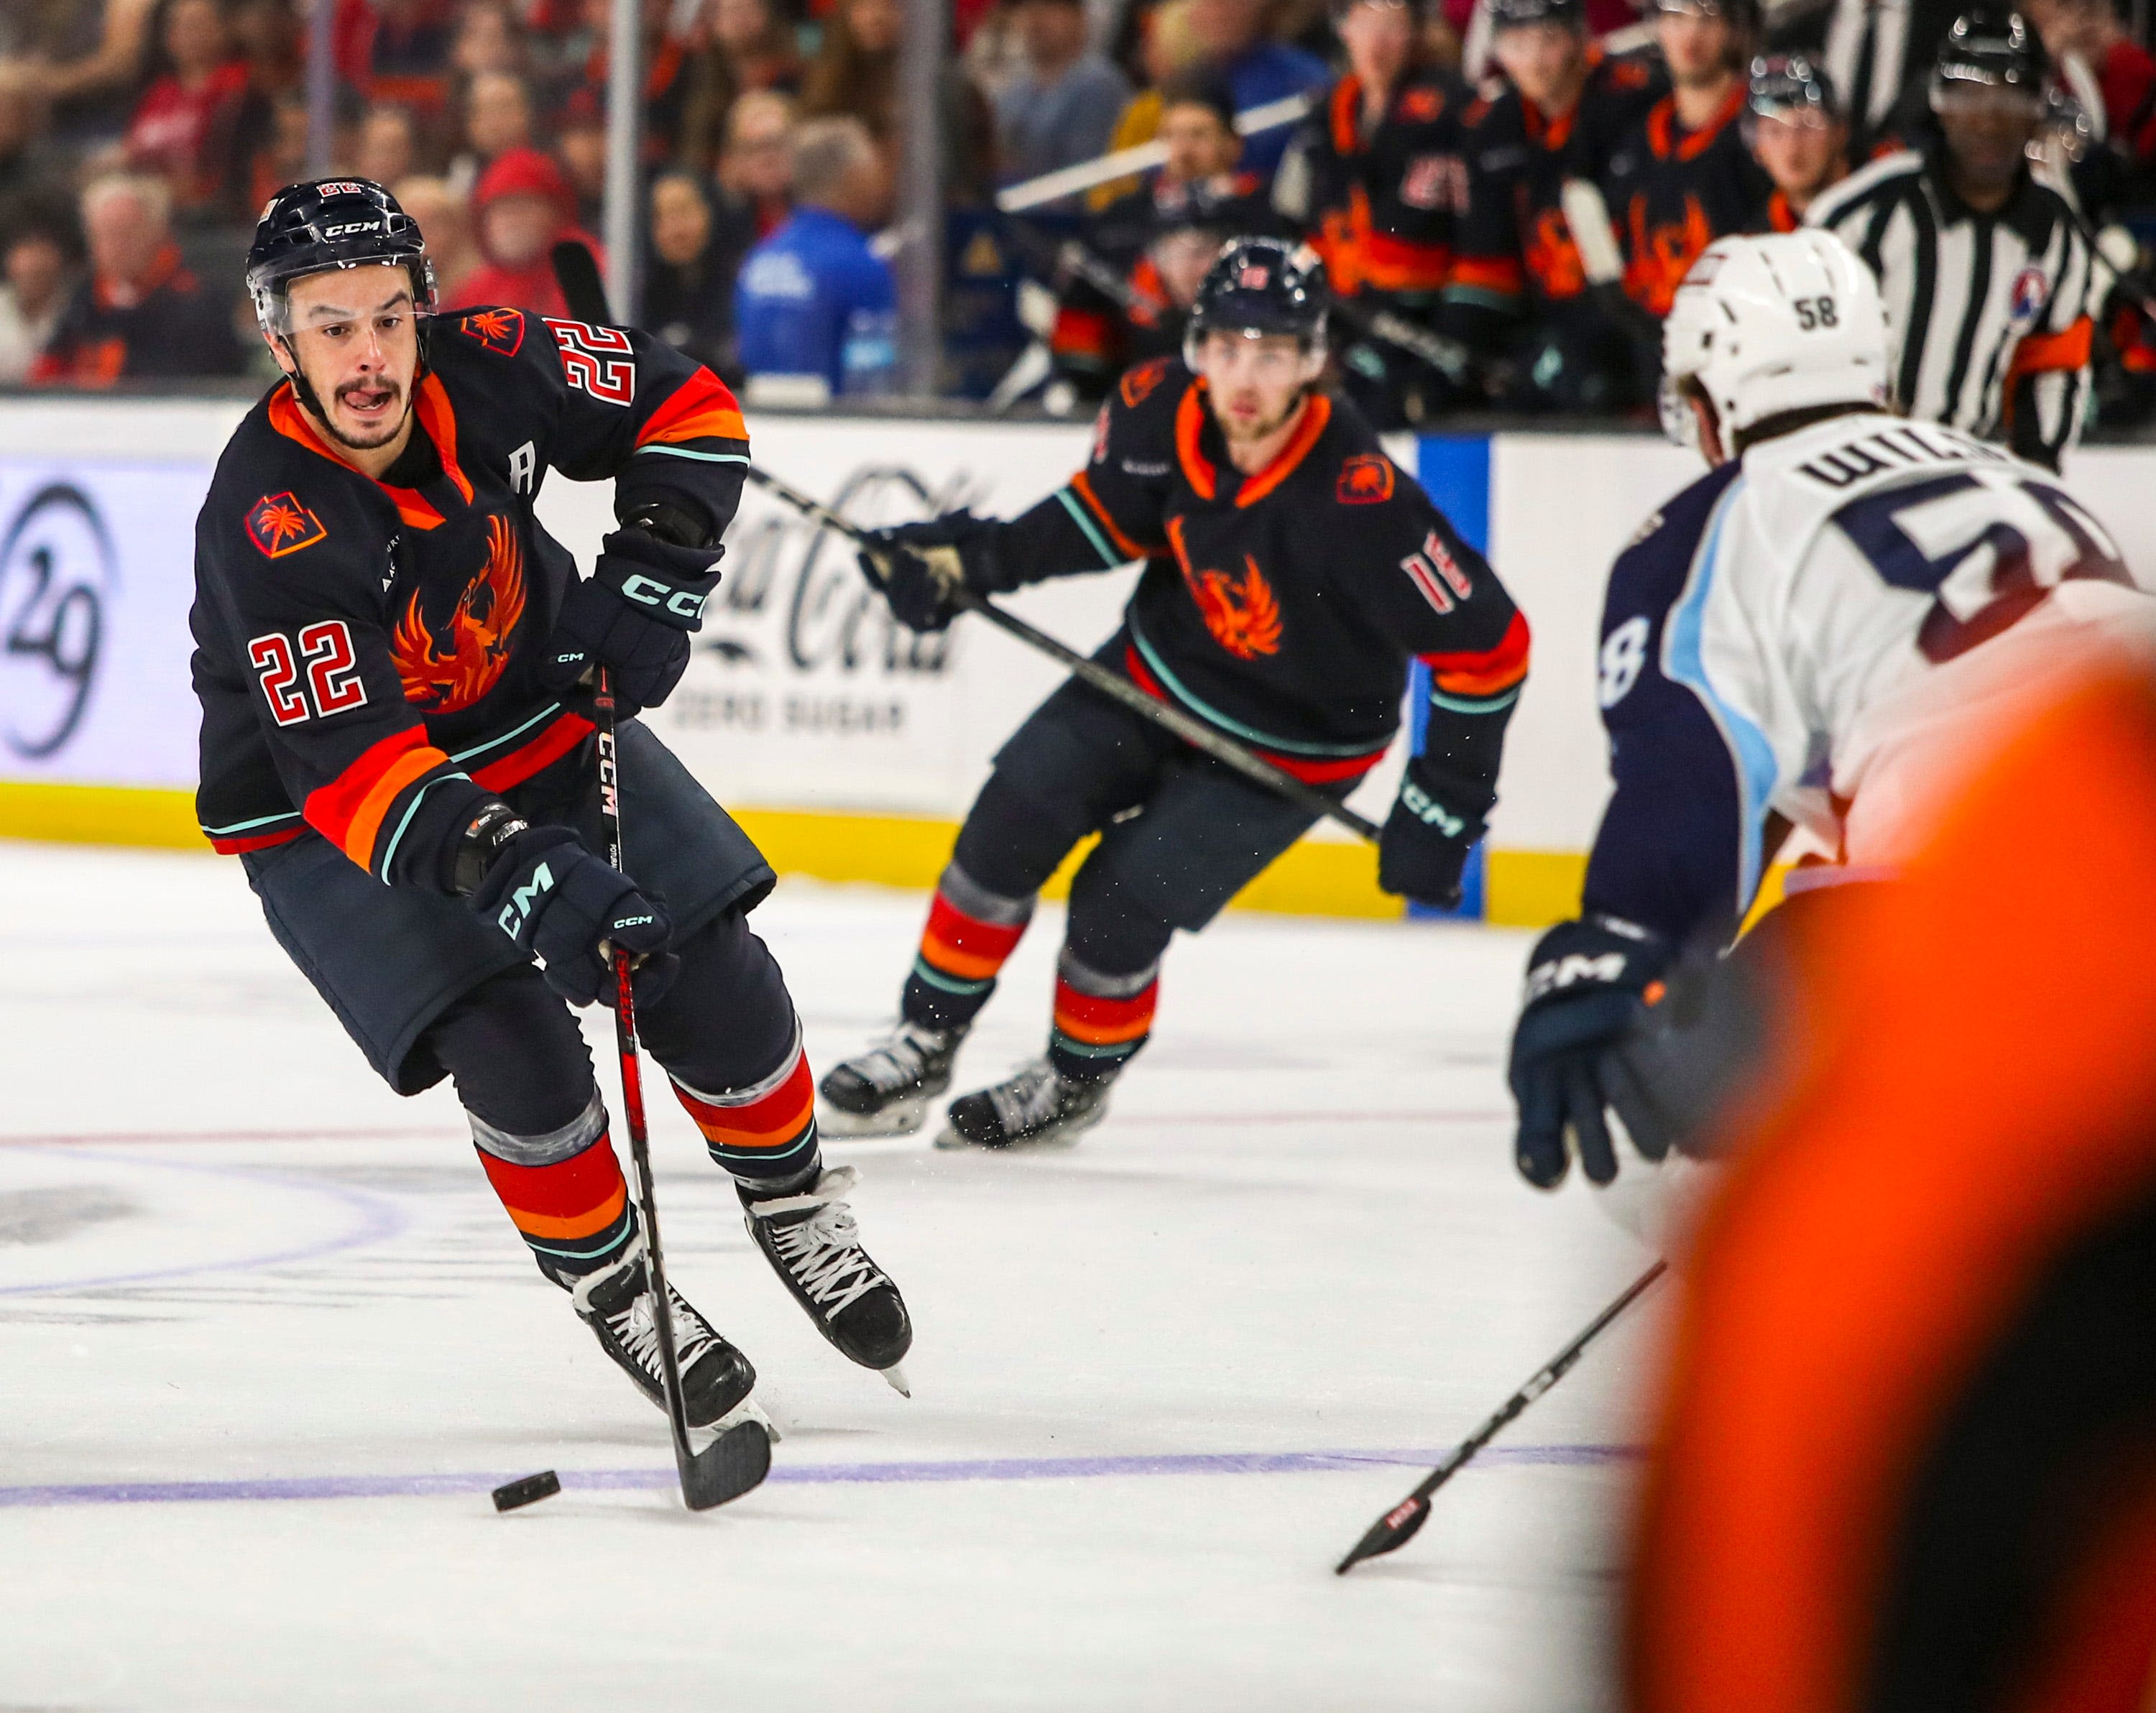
(1191, 729)
(1554, 1371)
(632, 1100)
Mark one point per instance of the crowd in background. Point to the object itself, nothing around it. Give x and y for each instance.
(138, 138)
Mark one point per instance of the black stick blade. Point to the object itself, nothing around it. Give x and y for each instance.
(1389, 1533)
(734, 1463)
(529, 1490)
(577, 274)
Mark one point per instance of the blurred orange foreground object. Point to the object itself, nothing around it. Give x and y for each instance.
(1907, 1455)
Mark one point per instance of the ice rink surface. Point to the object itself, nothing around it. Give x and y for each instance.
(268, 1338)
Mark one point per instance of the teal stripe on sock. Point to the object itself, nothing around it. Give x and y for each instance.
(950, 984)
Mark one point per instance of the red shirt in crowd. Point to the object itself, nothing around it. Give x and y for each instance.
(530, 286)
(187, 136)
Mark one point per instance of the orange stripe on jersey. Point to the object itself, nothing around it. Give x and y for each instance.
(435, 416)
(1499, 274)
(1489, 671)
(1393, 263)
(1084, 490)
(519, 765)
(1189, 423)
(1100, 1021)
(578, 1197)
(703, 407)
(348, 810)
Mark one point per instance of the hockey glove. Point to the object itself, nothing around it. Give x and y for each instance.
(1425, 845)
(634, 617)
(1589, 982)
(920, 567)
(564, 906)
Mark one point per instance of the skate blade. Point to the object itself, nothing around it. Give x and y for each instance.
(1061, 1136)
(750, 1409)
(904, 1118)
(895, 1378)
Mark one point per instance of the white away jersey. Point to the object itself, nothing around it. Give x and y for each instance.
(1789, 633)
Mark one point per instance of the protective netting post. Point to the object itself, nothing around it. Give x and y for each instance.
(624, 138)
(920, 212)
(321, 86)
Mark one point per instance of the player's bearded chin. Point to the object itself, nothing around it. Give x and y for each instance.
(367, 411)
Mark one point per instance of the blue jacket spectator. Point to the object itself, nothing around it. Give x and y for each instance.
(814, 301)
(1229, 34)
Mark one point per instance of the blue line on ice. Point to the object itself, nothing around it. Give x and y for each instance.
(1012, 1469)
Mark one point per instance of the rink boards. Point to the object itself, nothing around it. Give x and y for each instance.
(849, 749)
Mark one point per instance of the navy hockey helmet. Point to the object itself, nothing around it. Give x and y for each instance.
(332, 224)
(1989, 48)
(1786, 85)
(1742, 15)
(1512, 14)
(1261, 286)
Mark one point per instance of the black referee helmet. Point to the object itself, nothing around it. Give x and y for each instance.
(1990, 48)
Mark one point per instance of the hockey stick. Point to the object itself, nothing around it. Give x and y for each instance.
(1398, 1526)
(1192, 731)
(740, 1458)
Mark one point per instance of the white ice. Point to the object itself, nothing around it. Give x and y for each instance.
(230, 1257)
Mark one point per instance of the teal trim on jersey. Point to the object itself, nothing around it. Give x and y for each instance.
(1481, 295)
(1473, 704)
(950, 984)
(389, 854)
(702, 457)
(540, 718)
(1108, 560)
(1248, 734)
(259, 821)
(1684, 663)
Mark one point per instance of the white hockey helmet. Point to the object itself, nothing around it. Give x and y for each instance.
(1776, 323)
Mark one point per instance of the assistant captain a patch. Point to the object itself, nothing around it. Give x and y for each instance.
(277, 523)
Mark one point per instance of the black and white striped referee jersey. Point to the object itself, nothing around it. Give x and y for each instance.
(1990, 314)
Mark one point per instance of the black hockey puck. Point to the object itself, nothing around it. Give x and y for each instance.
(529, 1490)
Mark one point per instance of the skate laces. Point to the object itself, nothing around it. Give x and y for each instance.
(900, 1060)
(823, 1251)
(1029, 1099)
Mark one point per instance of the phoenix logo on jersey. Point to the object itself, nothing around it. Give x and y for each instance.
(277, 523)
(443, 673)
(1241, 613)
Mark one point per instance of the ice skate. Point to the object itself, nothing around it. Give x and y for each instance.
(616, 1305)
(885, 1091)
(812, 1242)
(1036, 1107)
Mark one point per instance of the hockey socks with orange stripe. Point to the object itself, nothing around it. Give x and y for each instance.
(563, 1192)
(971, 932)
(1101, 1020)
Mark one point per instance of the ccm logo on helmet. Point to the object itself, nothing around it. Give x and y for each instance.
(355, 226)
(678, 602)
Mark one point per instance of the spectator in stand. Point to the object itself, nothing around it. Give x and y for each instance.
(86, 60)
(580, 145)
(140, 314)
(497, 118)
(265, 34)
(488, 40)
(755, 169)
(446, 218)
(388, 144)
(1063, 107)
(816, 307)
(2122, 70)
(1231, 40)
(1167, 50)
(186, 127)
(29, 165)
(688, 288)
(37, 249)
(664, 63)
(397, 50)
(523, 206)
(280, 158)
(855, 75)
(740, 46)
(1684, 177)
(1797, 136)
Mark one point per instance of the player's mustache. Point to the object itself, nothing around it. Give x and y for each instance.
(381, 384)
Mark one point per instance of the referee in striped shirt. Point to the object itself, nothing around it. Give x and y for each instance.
(1984, 269)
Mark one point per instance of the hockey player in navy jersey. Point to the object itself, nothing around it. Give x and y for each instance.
(391, 655)
(1799, 639)
(1292, 574)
